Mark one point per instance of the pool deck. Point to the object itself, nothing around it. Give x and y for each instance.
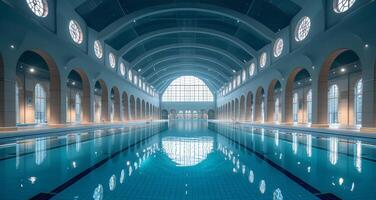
(16, 132)
(365, 133)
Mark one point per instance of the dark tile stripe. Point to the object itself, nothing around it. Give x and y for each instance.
(60, 188)
(296, 179)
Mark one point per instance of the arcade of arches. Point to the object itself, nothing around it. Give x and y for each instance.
(339, 103)
(38, 91)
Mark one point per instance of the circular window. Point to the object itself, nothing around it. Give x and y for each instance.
(341, 6)
(75, 31)
(122, 69)
(278, 47)
(252, 69)
(112, 60)
(244, 75)
(98, 50)
(39, 7)
(130, 75)
(302, 28)
(263, 60)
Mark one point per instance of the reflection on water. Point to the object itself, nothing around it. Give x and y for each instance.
(40, 150)
(309, 145)
(98, 192)
(276, 137)
(295, 143)
(187, 151)
(358, 156)
(333, 150)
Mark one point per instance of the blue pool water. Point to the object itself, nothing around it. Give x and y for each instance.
(187, 160)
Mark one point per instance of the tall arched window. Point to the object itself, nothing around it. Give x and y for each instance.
(40, 101)
(187, 89)
(333, 105)
(276, 110)
(262, 110)
(17, 104)
(295, 107)
(309, 106)
(358, 102)
(77, 107)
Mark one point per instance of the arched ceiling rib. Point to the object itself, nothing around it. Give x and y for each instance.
(210, 62)
(220, 52)
(206, 38)
(144, 38)
(179, 7)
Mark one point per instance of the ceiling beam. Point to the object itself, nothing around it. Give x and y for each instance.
(238, 17)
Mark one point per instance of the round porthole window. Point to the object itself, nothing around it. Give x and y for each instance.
(263, 60)
(278, 47)
(341, 6)
(122, 69)
(75, 32)
(252, 69)
(302, 29)
(112, 60)
(38, 7)
(98, 50)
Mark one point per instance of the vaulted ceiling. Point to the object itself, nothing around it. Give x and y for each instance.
(210, 39)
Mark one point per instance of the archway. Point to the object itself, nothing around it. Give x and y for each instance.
(211, 114)
(260, 105)
(132, 103)
(242, 108)
(138, 109)
(115, 104)
(37, 67)
(147, 111)
(274, 99)
(78, 97)
(164, 114)
(298, 97)
(100, 101)
(143, 111)
(237, 109)
(340, 97)
(249, 109)
(125, 106)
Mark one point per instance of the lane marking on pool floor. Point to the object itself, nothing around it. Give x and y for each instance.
(71, 181)
(305, 185)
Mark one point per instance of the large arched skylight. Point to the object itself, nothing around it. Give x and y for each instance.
(187, 89)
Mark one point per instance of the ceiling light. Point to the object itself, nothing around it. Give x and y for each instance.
(233, 71)
(32, 70)
(73, 83)
(343, 69)
(366, 45)
(12, 46)
(139, 70)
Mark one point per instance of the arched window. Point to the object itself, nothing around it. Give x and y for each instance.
(358, 102)
(77, 107)
(244, 75)
(40, 101)
(112, 111)
(122, 69)
(295, 107)
(276, 110)
(309, 106)
(333, 105)
(341, 6)
(130, 75)
(262, 110)
(187, 89)
(112, 60)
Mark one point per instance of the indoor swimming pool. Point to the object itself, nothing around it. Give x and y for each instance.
(188, 159)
